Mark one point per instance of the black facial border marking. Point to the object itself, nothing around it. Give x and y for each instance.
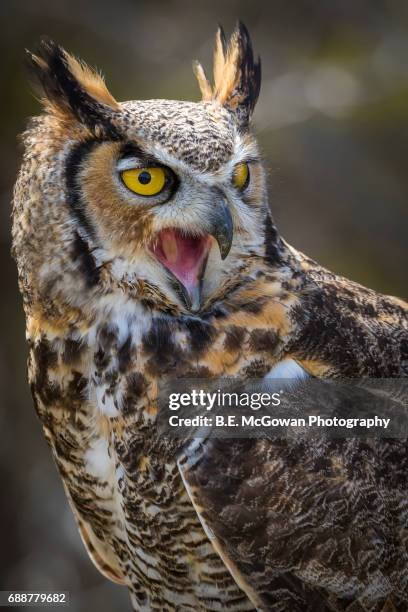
(81, 250)
(72, 167)
(273, 243)
(88, 267)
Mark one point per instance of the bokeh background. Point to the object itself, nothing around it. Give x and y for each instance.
(332, 122)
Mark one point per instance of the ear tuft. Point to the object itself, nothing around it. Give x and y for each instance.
(237, 77)
(70, 87)
(219, 57)
(203, 83)
(91, 81)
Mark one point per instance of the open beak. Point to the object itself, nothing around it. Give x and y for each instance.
(185, 255)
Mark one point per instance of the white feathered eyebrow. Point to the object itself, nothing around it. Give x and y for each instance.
(127, 163)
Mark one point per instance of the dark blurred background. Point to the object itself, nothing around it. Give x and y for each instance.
(332, 122)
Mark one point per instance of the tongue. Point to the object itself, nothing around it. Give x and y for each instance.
(184, 256)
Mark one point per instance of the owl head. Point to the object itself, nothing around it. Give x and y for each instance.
(164, 200)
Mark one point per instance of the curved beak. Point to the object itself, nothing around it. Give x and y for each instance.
(221, 227)
(185, 256)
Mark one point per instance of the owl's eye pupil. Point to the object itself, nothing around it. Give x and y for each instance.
(144, 177)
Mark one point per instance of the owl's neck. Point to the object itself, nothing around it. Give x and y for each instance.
(117, 359)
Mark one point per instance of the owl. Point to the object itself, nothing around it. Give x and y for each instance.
(146, 252)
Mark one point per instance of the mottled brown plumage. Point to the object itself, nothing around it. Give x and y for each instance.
(286, 525)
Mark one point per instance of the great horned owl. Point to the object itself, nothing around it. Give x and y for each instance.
(146, 250)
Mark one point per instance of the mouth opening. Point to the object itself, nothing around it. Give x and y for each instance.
(185, 256)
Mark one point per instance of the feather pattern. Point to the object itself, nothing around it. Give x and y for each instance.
(287, 525)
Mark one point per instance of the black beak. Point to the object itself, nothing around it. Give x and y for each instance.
(221, 227)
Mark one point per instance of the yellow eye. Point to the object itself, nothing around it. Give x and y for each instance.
(240, 178)
(144, 181)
